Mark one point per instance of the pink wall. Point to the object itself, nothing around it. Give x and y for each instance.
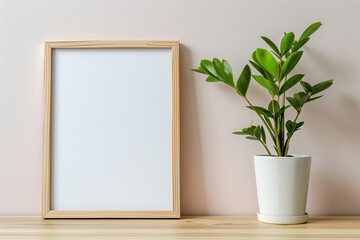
(217, 176)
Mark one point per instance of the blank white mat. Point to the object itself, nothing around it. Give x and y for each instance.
(111, 133)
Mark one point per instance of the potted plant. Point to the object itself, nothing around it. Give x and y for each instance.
(281, 179)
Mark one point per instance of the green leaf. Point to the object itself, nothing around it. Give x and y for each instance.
(212, 79)
(289, 126)
(299, 125)
(293, 126)
(254, 57)
(306, 86)
(267, 74)
(227, 68)
(310, 30)
(263, 135)
(290, 83)
(278, 56)
(257, 132)
(299, 44)
(268, 84)
(267, 61)
(209, 68)
(252, 138)
(252, 129)
(271, 44)
(244, 80)
(246, 131)
(314, 98)
(269, 123)
(287, 42)
(281, 110)
(321, 86)
(261, 110)
(293, 103)
(199, 70)
(290, 63)
(240, 133)
(301, 98)
(273, 107)
(258, 68)
(219, 68)
(249, 130)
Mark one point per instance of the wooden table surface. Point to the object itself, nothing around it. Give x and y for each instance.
(213, 227)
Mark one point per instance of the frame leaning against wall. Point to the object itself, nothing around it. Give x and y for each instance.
(174, 182)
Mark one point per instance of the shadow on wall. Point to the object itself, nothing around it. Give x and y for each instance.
(344, 99)
(344, 122)
(193, 188)
(327, 64)
(334, 187)
(333, 197)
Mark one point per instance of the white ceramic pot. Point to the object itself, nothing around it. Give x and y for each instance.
(282, 187)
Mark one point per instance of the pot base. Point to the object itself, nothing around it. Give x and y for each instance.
(282, 219)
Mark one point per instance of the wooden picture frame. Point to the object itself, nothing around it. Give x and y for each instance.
(47, 210)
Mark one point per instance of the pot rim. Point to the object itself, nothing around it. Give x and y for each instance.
(292, 156)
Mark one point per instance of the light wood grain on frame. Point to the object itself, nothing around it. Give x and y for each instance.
(46, 132)
(46, 208)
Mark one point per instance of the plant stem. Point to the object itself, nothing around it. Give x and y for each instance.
(284, 94)
(266, 148)
(288, 140)
(278, 97)
(267, 127)
(282, 122)
(277, 142)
